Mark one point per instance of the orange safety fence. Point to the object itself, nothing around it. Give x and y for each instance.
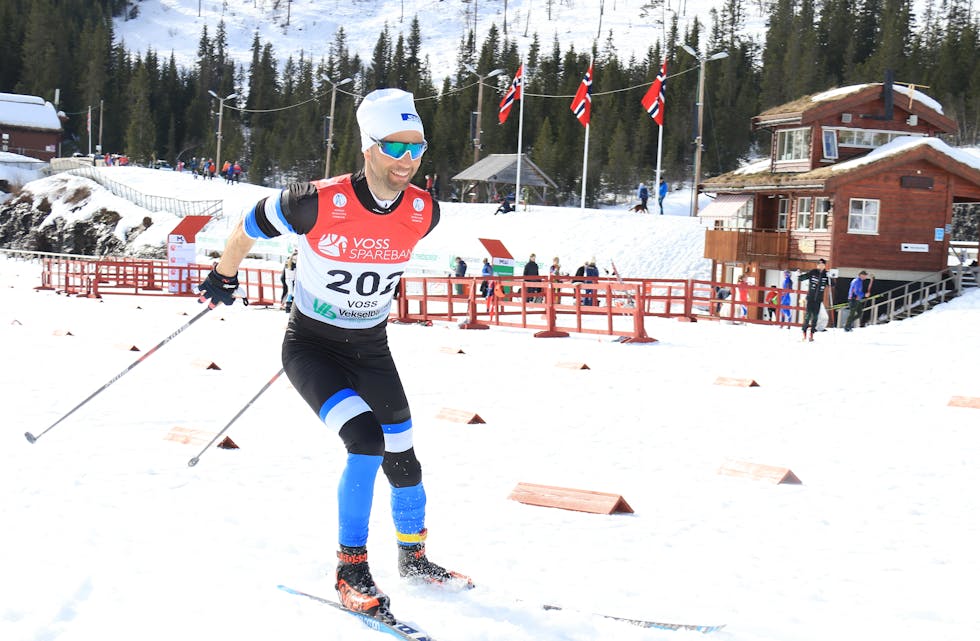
(91, 277)
(551, 306)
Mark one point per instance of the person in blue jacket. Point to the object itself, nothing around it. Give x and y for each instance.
(661, 194)
(786, 298)
(855, 300)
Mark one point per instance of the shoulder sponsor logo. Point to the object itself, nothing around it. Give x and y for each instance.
(332, 245)
(339, 200)
(418, 205)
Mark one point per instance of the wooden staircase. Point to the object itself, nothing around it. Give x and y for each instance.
(912, 299)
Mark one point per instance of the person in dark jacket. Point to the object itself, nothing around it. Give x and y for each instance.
(531, 269)
(817, 280)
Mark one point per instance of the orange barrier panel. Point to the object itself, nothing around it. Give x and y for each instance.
(778, 475)
(965, 401)
(569, 499)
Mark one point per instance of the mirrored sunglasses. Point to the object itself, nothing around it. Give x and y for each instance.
(397, 150)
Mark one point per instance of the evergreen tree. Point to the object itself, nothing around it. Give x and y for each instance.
(140, 132)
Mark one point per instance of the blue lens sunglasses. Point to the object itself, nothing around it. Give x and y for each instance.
(397, 150)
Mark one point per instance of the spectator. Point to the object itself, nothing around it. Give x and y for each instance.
(555, 269)
(435, 187)
(643, 194)
(288, 279)
(531, 269)
(460, 273)
(817, 281)
(487, 272)
(591, 272)
(855, 300)
(786, 300)
(661, 194)
(772, 300)
(742, 297)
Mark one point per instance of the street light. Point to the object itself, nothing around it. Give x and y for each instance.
(221, 116)
(333, 102)
(479, 108)
(697, 141)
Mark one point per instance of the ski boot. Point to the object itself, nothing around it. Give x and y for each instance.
(413, 564)
(355, 587)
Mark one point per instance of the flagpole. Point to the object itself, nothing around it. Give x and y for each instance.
(660, 152)
(520, 139)
(585, 164)
(585, 153)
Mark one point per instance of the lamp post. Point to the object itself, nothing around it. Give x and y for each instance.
(479, 108)
(702, 60)
(333, 102)
(221, 116)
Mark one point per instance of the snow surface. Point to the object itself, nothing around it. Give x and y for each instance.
(108, 535)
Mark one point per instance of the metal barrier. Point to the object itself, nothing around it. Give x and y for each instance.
(151, 202)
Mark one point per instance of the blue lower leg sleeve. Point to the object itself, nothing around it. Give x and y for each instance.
(354, 497)
(408, 509)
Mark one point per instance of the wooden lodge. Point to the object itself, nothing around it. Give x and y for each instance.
(857, 176)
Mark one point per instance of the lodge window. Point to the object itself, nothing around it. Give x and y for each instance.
(783, 217)
(829, 144)
(863, 216)
(793, 144)
(821, 213)
(868, 138)
(803, 213)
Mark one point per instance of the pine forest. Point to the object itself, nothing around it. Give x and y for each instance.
(154, 109)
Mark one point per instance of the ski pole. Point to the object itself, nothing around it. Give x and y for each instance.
(32, 439)
(193, 461)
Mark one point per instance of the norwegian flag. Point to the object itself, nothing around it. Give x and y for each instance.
(653, 101)
(582, 102)
(514, 92)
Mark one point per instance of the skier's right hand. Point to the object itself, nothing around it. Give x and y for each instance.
(218, 288)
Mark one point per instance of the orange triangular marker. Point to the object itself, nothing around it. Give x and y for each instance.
(736, 382)
(206, 364)
(573, 365)
(778, 475)
(451, 350)
(569, 499)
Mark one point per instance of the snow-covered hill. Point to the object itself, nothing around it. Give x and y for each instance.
(310, 26)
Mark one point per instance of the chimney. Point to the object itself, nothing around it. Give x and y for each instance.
(887, 95)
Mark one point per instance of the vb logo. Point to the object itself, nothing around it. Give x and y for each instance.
(332, 245)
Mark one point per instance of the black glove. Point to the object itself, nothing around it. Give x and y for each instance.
(218, 289)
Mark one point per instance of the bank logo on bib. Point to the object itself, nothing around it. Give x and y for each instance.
(339, 200)
(332, 244)
(418, 205)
